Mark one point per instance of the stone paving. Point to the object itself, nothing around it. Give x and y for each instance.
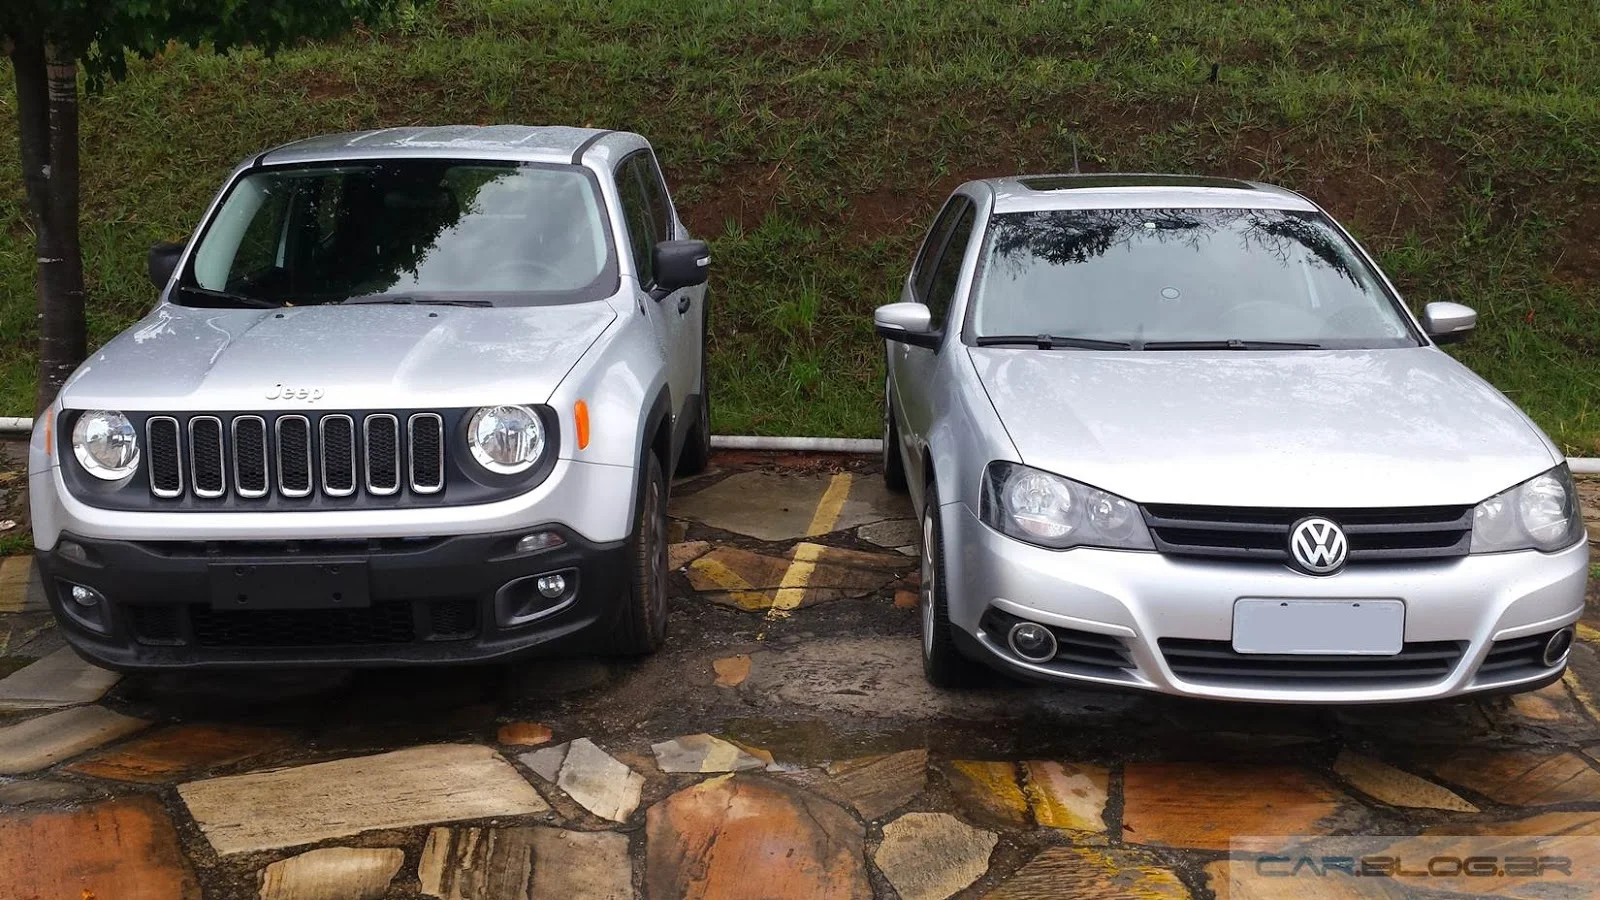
(784, 744)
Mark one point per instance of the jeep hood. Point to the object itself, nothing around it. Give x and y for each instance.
(358, 357)
(1328, 429)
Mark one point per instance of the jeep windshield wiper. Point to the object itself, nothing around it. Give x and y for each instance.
(224, 299)
(408, 299)
(1231, 344)
(1050, 342)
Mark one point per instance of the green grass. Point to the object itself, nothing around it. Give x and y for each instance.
(810, 143)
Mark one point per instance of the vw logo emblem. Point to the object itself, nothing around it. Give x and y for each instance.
(1318, 546)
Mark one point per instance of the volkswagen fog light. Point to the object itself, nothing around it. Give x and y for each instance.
(1050, 511)
(105, 444)
(552, 586)
(1539, 514)
(506, 440)
(85, 597)
(1032, 642)
(1557, 648)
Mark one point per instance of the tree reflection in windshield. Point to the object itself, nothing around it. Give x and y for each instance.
(1181, 274)
(448, 229)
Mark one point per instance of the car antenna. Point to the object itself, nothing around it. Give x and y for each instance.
(1075, 170)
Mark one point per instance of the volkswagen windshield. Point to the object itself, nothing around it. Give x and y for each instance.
(1179, 279)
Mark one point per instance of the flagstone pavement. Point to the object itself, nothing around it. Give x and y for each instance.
(784, 744)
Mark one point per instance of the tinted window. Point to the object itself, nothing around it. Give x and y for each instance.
(1156, 275)
(500, 233)
(922, 269)
(637, 216)
(948, 270)
(655, 194)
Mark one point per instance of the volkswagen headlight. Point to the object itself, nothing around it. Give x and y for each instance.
(1055, 512)
(105, 444)
(506, 440)
(1538, 514)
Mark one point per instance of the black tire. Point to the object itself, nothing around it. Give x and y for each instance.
(643, 624)
(944, 665)
(894, 467)
(696, 453)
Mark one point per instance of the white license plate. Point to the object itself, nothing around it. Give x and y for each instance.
(1319, 627)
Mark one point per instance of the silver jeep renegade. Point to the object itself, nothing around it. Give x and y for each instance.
(408, 396)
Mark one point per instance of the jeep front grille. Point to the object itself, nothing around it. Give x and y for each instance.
(253, 457)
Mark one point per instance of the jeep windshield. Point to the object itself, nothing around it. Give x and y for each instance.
(459, 232)
(1179, 279)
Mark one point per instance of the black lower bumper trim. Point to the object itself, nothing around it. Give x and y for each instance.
(428, 601)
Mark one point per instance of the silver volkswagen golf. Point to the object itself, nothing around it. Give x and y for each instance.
(1181, 434)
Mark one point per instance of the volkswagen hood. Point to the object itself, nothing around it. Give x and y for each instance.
(338, 357)
(1318, 429)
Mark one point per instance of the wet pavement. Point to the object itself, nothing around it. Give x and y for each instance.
(784, 744)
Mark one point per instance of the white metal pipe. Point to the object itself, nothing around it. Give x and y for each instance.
(797, 444)
(18, 426)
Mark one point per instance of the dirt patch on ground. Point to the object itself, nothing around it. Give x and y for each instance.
(13, 495)
(1578, 258)
(743, 195)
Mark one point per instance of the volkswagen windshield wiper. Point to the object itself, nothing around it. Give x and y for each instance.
(222, 299)
(408, 299)
(1050, 342)
(1231, 344)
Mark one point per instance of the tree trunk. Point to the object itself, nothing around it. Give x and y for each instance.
(47, 127)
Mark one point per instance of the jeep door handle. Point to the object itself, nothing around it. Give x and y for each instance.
(683, 304)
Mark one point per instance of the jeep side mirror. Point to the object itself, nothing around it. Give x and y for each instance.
(907, 323)
(163, 261)
(679, 264)
(1448, 323)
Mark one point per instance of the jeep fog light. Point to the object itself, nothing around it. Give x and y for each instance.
(552, 586)
(85, 597)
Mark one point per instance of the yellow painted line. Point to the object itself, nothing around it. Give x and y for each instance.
(720, 758)
(999, 780)
(792, 588)
(739, 590)
(14, 572)
(1588, 633)
(1590, 705)
(831, 504)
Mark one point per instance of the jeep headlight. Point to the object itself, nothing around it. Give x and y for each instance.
(1055, 512)
(506, 440)
(105, 444)
(1538, 514)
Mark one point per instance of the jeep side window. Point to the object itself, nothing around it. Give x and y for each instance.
(948, 270)
(636, 215)
(655, 193)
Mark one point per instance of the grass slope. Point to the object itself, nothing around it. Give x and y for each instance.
(811, 142)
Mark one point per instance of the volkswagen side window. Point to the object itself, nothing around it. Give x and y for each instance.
(948, 270)
(922, 269)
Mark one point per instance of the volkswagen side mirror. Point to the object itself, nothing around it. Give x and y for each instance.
(163, 261)
(679, 264)
(1448, 323)
(906, 323)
